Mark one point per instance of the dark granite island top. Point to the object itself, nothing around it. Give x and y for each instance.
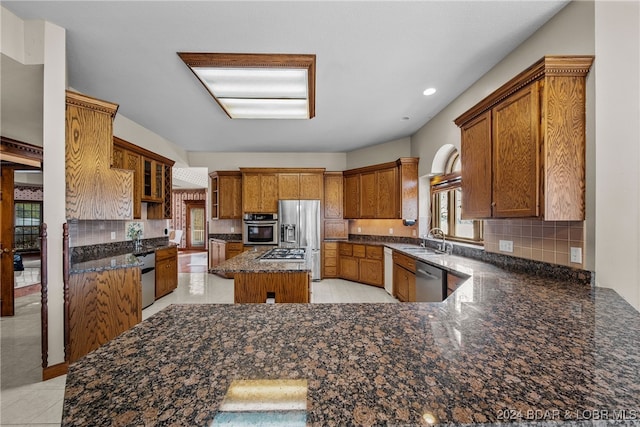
(249, 262)
(504, 348)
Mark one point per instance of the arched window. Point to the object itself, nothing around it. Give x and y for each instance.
(446, 203)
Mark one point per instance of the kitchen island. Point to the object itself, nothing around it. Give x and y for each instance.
(256, 280)
(503, 348)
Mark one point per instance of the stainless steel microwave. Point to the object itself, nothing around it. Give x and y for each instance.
(260, 229)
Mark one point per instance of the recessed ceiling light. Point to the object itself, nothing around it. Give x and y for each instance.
(405, 118)
(257, 86)
(429, 91)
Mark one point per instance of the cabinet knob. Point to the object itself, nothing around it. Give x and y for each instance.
(493, 204)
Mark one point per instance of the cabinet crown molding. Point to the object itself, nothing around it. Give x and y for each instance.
(85, 101)
(551, 65)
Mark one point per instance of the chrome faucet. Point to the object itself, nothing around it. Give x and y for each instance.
(437, 233)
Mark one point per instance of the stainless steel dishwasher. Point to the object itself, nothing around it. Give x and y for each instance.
(429, 283)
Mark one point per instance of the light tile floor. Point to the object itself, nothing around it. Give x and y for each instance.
(25, 400)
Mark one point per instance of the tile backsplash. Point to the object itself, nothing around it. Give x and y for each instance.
(85, 232)
(547, 241)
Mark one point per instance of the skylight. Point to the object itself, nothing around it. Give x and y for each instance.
(257, 86)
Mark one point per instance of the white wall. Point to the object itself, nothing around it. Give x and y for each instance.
(571, 31)
(39, 42)
(233, 161)
(132, 132)
(617, 44)
(381, 153)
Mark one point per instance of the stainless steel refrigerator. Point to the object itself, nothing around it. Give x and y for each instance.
(300, 228)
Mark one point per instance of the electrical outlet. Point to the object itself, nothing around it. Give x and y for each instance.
(233, 229)
(113, 235)
(506, 246)
(391, 231)
(413, 233)
(359, 229)
(576, 255)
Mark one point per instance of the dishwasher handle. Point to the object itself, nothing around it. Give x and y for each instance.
(427, 274)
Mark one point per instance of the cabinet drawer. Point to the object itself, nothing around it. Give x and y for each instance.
(346, 249)
(330, 253)
(330, 261)
(404, 261)
(374, 252)
(359, 251)
(330, 271)
(234, 246)
(166, 253)
(331, 245)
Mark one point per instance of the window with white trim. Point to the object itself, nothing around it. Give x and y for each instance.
(446, 204)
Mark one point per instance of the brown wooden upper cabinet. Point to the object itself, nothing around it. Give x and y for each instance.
(226, 194)
(263, 187)
(93, 189)
(523, 146)
(259, 192)
(151, 176)
(387, 190)
(300, 185)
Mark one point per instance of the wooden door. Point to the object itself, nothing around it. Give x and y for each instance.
(269, 193)
(196, 224)
(288, 186)
(475, 156)
(251, 192)
(229, 197)
(311, 186)
(372, 272)
(352, 196)
(6, 243)
(387, 193)
(368, 195)
(516, 145)
(349, 268)
(333, 207)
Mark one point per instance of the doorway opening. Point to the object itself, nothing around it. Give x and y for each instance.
(196, 225)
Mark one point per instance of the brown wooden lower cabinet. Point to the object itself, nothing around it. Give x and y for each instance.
(329, 259)
(404, 277)
(361, 263)
(286, 287)
(166, 271)
(102, 305)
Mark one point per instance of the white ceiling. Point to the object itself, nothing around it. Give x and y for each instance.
(374, 59)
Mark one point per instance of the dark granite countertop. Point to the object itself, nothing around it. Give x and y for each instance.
(249, 262)
(504, 348)
(123, 257)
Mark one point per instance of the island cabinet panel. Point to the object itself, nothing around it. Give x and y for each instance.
(404, 277)
(531, 131)
(166, 271)
(94, 190)
(333, 205)
(286, 287)
(384, 191)
(226, 194)
(102, 305)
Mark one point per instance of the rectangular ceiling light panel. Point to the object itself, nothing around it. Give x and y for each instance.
(258, 86)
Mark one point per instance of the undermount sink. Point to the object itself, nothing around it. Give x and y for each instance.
(420, 250)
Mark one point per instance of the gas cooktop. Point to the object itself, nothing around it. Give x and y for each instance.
(284, 254)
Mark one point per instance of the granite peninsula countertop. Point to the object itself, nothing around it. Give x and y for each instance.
(504, 348)
(249, 262)
(112, 260)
